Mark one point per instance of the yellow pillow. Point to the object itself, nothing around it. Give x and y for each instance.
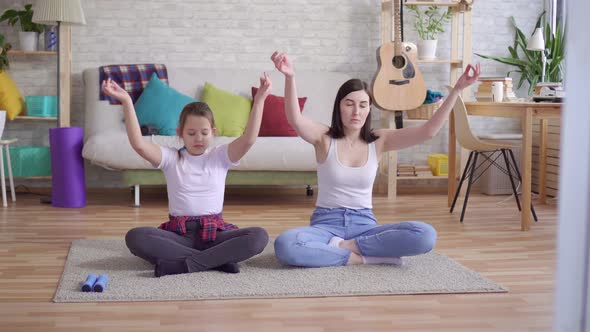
(230, 111)
(10, 98)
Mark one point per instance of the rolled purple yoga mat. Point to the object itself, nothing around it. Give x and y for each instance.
(67, 167)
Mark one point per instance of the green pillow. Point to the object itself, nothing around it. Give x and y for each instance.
(230, 111)
(160, 105)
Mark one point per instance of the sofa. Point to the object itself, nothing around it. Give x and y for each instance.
(271, 161)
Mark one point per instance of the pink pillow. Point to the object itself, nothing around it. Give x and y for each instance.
(274, 120)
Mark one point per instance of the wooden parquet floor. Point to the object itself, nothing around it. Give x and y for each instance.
(35, 238)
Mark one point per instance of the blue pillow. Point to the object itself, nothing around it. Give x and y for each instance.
(160, 105)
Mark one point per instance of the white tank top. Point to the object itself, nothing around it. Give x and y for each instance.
(345, 186)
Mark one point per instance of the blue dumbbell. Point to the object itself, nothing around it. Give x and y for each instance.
(101, 283)
(90, 280)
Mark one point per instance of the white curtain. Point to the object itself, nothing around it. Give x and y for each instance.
(555, 13)
(572, 301)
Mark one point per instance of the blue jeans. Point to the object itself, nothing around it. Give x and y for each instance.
(308, 246)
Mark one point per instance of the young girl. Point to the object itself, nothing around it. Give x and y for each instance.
(343, 229)
(195, 238)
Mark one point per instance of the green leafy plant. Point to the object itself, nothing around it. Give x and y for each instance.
(528, 62)
(430, 21)
(25, 17)
(4, 48)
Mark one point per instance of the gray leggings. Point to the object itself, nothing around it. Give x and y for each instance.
(231, 246)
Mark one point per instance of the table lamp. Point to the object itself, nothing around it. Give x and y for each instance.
(537, 43)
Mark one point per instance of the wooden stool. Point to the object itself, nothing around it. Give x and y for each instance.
(6, 143)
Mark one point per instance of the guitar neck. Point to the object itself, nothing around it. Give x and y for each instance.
(397, 26)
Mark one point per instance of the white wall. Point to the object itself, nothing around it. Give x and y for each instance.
(331, 35)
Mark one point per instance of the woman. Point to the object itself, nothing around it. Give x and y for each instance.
(343, 229)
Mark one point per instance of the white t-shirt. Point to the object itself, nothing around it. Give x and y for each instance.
(196, 184)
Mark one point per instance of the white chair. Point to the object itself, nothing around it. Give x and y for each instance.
(5, 145)
(489, 149)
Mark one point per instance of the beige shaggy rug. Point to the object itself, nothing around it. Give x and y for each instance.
(132, 279)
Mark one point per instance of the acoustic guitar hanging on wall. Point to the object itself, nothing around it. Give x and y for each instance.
(398, 84)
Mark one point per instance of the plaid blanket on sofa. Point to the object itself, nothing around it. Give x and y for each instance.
(132, 78)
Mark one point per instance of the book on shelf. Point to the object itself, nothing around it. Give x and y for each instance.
(405, 174)
(424, 173)
(405, 167)
(422, 170)
(484, 89)
(405, 170)
(494, 78)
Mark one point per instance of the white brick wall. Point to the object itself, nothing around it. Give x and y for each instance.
(331, 35)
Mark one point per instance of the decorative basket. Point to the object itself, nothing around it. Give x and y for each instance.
(43, 106)
(425, 111)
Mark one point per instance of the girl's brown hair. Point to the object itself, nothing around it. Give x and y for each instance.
(196, 108)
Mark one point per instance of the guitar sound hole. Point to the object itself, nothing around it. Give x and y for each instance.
(399, 61)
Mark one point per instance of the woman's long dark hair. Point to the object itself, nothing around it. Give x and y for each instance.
(337, 127)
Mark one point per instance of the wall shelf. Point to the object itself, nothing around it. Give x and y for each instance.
(21, 52)
(39, 118)
(454, 4)
(33, 177)
(453, 62)
(429, 177)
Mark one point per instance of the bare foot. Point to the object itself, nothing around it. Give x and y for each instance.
(350, 245)
(354, 259)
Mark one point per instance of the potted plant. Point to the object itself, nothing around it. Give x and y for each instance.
(29, 34)
(4, 48)
(528, 63)
(428, 24)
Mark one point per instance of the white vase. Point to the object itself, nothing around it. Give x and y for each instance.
(28, 40)
(2, 122)
(427, 49)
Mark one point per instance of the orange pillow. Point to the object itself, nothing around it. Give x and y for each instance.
(274, 120)
(10, 98)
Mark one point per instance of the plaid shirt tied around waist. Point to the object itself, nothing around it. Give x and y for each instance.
(209, 225)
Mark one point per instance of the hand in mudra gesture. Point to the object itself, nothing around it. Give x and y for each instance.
(282, 63)
(470, 76)
(113, 90)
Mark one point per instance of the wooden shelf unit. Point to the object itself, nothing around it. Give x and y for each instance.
(459, 57)
(65, 71)
(22, 53)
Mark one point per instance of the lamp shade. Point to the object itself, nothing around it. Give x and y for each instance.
(52, 11)
(537, 42)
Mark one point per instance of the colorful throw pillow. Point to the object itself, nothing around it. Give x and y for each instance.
(230, 111)
(160, 105)
(274, 120)
(10, 98)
